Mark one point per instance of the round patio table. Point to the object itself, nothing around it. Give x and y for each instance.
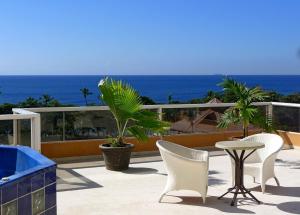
(231, 147)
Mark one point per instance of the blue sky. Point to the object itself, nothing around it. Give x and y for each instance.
(68, 37)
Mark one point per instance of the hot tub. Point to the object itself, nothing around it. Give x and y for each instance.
(28, 182)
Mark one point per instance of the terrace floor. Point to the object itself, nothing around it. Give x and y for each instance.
(88, 188)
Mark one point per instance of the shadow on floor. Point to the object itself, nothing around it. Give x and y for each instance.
(211, 202)
(140, 170)
(215, 180)
(279, 190)
(290, 207)
(212, 172)
(75, 182)
(211, 179)
(291, 164)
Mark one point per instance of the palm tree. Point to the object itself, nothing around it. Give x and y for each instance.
(211, 95)
(126, 106)
(30, 102)
(170, 99)
(244, 111)
(85, 92)
(46, 99)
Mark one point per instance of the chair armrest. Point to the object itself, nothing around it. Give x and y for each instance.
(199, 155)
(270, 160)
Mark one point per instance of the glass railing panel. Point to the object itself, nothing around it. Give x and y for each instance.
(286, 118)
(89, 125)
(193, 120)
(6, 132)
(100, 124)
(180, 119)
(24, 132)
(52, 126)
(200, 120)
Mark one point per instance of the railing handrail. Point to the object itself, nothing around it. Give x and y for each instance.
(283, 104)
(23, 111)
(18, 113)
(164, 106)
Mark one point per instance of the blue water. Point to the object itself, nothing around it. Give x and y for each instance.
(67, 88)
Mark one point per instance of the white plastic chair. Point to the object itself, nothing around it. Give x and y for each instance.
(187, 168)
(261, 163)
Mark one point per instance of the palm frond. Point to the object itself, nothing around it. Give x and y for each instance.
(256, 94)
(126, 106)
(149, 120)
(244, 108)
(138, 132)
(262, 121)
(234, 87)
(122, 100)
(230, 116)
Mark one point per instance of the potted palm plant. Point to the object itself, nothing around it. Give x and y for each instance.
(243, 112)
(126, 107)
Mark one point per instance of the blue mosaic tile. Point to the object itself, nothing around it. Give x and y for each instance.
(51, 211)
(50, 176)
(37, 181)
(10, 208)
(9, 192)
(38, 202)
(50, 196)
(24, 186)
(24, 205)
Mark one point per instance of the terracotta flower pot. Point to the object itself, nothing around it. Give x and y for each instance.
(116, 158)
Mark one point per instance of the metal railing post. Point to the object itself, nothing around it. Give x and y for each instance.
(160, 116)
(159, 110)
(32, 133)
(15, 132)
(64, 126)
(269, 113)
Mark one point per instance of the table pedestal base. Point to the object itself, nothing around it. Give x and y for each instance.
(239, 188)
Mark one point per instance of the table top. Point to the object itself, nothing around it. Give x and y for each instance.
(239, 145)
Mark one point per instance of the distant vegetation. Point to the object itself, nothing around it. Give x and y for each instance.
(224, 96)
(44, 101)
(227, 97)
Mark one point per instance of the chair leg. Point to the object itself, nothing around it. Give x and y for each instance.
(166, 190)
(161, 196)
(203, 195)
(277, 181)
(253, 179)
(263, 187)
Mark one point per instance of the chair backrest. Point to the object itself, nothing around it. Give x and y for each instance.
(172, 148)
(171, 154)
(273, 143)
(176, 150)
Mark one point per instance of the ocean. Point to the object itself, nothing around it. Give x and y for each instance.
(183, 88)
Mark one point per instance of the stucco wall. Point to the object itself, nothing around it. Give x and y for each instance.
(61, 149)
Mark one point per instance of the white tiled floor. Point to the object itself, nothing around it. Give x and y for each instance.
(91, 189)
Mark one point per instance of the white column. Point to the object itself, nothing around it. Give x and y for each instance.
(36, 132)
